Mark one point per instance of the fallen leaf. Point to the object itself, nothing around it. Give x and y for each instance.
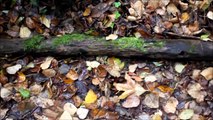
(210, 15)
(114, 66)
(172, 9)
(49, 73)
(195, 74)
(92, 64)
(3, 78)
(151, 101)
(24, 32)
(3, 113)
(194, 90)
(87, 11)
(91, 97)
(5, 93)
(165, 89)
(13, 69)
(133, 67)
(44, 20)
(179, 67)
(117, 4)
(129, 87)
(30, 23)
(21, 77)
(70, 108)
(72, 74)
(150, 78)
(82, 112)
(184, 17)
(46, 63)
(156, 116)
(24, 93)
(171, 105)
(65, 116)
(207, 73)
(112, 37)
(131, 101)
(186, 114)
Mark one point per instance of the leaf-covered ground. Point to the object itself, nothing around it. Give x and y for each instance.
(110, 18)
(105, 88)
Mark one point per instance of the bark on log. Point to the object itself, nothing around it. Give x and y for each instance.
(171, 49)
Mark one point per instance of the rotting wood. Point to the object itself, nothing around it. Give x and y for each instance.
(150, 48)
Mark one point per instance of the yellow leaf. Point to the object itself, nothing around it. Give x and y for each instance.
(87, 12)
(45, 21)
(21, 77)
(91, 97)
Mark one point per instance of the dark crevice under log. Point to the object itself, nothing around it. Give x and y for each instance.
(172, 49)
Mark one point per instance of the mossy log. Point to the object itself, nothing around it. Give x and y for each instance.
(77, 44)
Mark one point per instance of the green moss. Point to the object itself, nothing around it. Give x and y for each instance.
(136, 43)
(33, 43)
(66, 39)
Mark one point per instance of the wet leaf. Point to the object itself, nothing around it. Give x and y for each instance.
(72, 74)
(24, 32)
(24, 93)
(186, 114)
(131, 101)
(171, 105)
(207, 73)
(179, 67)
(91, 97)
(46, 63)
(151, 101)
(13, 69)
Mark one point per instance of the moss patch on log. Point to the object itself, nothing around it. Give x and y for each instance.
(68, 38)
(33, 43)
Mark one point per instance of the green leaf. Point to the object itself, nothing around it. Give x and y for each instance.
(117, 14)
(117, 4)
(205, 37)
(112, 25)
(24, 93)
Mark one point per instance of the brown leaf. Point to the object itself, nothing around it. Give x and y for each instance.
(3, 78)
(171, 105)
(72, 74)
(165, 89)
(13, 15)
(151, 101)
(194, 90)
(131, 101)
(87, 11)
(30, 23)
(207, 73)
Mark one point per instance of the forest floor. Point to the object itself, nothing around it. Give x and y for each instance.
(106, 87)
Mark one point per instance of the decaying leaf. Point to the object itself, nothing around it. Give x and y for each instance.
(186, 114)
(129, 87)
(24, 32)
(133, 67)
(207, 73)
(44, 20)
(13, 69)
(65, 116)
(70, 108)
(91, 97)
(114, 66)
(195, 91)
(151, 101)
(112, 37)
(82, 112)
(72, 74)
(131, 101)
(46, 63)
(171, 105)
(179, 67)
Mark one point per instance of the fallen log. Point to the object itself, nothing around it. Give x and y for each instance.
(76, 44)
